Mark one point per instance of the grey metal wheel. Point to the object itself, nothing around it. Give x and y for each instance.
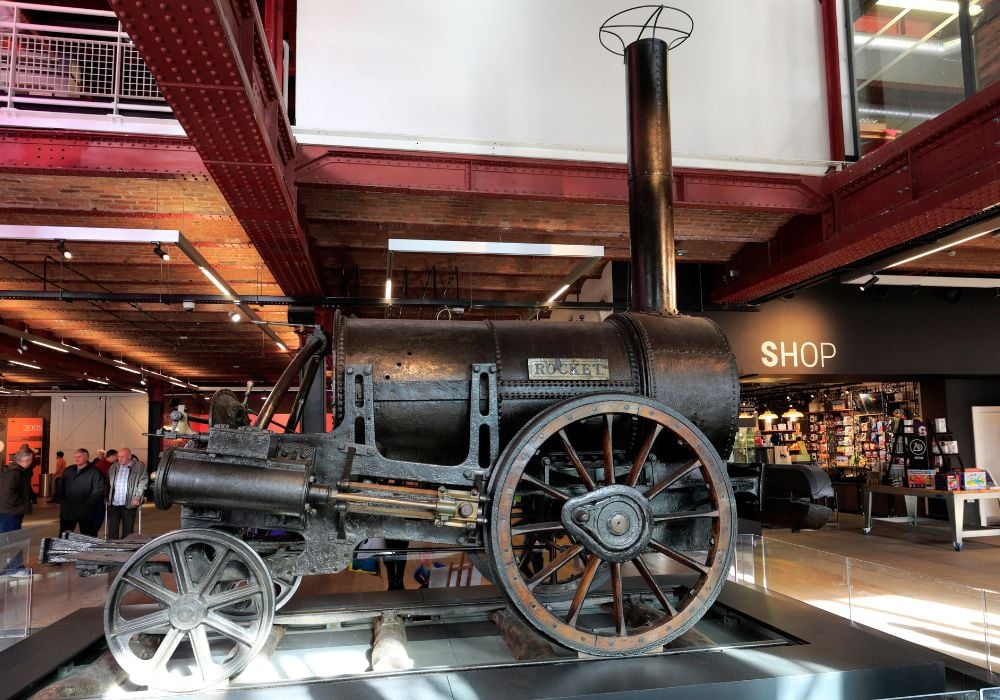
(164, 619)
(285, 586)
(663, 531)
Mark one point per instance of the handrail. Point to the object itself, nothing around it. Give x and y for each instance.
(61, 66)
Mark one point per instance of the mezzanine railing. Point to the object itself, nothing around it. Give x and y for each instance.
(85, 64)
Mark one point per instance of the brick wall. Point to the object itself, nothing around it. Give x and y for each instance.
(987, 37)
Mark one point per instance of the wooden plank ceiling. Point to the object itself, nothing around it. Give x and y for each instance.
(203, 346)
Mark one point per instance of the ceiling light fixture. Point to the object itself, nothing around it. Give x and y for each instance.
(61, 247)
(281, 346)
(235, 317)
(869, 284)
(64, 399)
(559, 292)
(409, 245)
(129, 369)
(768, 415)
(143, 381)
(138, 391)
(96, 381)
(21, 348)
(388, 289)
(49, 346)
(164, 255)
(946, 246)
(23, 364)
(214, 280)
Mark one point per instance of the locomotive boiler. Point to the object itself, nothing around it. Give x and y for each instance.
(578, 464)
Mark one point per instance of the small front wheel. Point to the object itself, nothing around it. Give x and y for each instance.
(166, 619)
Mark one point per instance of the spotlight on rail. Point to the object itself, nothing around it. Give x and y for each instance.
(163, 255)
(61, 247)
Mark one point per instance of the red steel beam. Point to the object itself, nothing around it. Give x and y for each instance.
(831, 64)
(355, 168)
(212, 63)
(47, 151)
(937, 174)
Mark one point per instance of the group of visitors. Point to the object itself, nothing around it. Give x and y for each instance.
(113, 482)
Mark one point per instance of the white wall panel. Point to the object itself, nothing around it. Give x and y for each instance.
(76, 422)
(530, 78)
(128, 417)
(98, 421)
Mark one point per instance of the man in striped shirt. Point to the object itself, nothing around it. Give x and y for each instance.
(128, 481)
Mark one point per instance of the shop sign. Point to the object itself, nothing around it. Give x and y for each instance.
(786, 354)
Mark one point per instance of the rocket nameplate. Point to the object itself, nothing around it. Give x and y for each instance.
(581, 369)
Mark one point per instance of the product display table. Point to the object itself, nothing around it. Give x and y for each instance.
(954, 500)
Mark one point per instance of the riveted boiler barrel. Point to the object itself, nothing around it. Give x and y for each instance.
(422, 372)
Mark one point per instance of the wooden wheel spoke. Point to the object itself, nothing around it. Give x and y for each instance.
(230, 597)
(537, 483)
(537, 527)
(529, 547)
(158, 593)
(577, 464)
(228, 628)
(586, 581)
(554, 565)
(665, 483)
(643, 454)
(609, 458)
(647, 576)
(685, 515)
(151, 624)
(679, 557)
(617, 599)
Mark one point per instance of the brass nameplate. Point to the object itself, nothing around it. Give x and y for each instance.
(568, 369)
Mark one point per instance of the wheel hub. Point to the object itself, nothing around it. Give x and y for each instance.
(187, 612)
(613, 522)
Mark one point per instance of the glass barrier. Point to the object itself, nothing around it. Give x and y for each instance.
(957, 620)
(992, 621)
(15, 583)
(986, 40)
(933, 613)
(907, 58)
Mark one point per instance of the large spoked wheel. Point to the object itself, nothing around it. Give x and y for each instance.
(166, 618)
(661, 529)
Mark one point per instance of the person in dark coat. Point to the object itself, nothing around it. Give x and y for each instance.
(15, 490)
(15, 501)
(82, 490)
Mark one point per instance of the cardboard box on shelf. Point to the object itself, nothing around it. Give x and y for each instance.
(973, 479)
(920, 478)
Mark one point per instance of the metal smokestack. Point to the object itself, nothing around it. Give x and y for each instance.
(650, 179)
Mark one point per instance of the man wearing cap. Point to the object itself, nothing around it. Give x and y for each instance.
(127, 482)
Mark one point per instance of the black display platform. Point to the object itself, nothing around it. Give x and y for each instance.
(829, 658)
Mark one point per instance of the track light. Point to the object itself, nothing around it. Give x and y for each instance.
(235, 317)
(143, 381)
(61, 247)
(21, 348)
(64, 399)
(869, 284)
(164, 255)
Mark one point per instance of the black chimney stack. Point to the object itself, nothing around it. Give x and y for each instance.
(650, 179)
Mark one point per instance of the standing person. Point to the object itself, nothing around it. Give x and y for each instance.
(127, 482)
(57, 481)
(82, 490)
(15, 500)
(103, 464)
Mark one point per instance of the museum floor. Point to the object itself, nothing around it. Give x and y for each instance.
(911, 585)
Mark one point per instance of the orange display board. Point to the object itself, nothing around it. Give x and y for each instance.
(28, 431)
